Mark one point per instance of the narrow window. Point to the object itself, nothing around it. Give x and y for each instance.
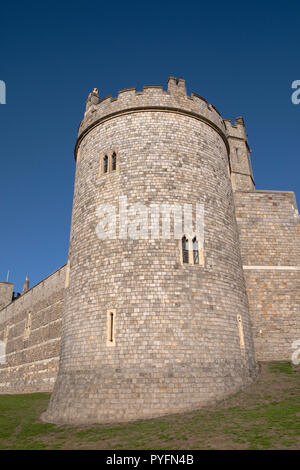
(111, 327)
(241, 333)
(185, 250)
(195, 251)
(105, 164)
(237, 154)
(114, 162)
(111, 321)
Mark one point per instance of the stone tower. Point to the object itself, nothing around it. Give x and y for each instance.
(144, 332)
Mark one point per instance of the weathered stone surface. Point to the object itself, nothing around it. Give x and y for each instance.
(269, 232)
(183, 334)
(32, 363)
(177, 339)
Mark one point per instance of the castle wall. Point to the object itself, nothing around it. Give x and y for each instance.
(269, 231)
(6, 293)
(183, 333)
(30, 326)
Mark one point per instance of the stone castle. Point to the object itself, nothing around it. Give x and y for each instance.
(137, 328)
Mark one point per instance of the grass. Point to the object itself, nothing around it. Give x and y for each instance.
(265, 416)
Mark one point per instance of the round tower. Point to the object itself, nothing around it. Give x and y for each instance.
(152, 324)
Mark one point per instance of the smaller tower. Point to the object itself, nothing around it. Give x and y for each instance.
(6, 293)
(241, 170)
(26, 285)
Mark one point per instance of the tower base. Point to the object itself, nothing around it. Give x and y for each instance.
(131, 394)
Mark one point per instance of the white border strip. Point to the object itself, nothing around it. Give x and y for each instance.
(275, 268)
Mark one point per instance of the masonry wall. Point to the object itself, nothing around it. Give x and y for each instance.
(31, 328)
(177, 344)
(177, 341)
(6, 293)
(269, 230)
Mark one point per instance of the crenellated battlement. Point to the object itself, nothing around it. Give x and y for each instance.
(152, 97)
(237, 129)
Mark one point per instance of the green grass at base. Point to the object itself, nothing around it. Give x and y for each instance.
(265, 416)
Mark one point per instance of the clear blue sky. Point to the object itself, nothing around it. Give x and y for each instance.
(240, 56)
